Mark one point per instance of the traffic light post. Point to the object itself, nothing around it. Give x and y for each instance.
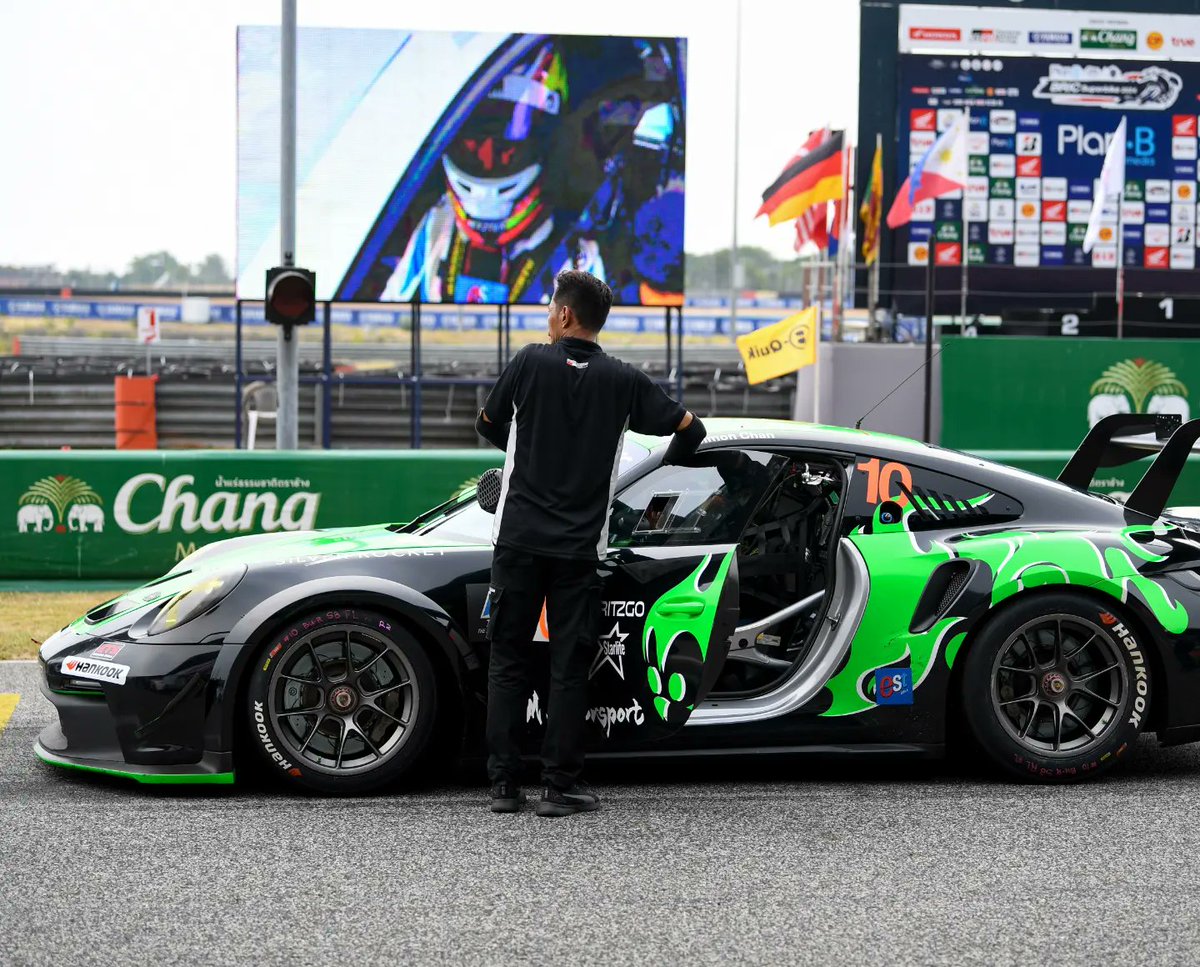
(282, 282)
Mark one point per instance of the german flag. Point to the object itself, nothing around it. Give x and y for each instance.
(811, 177)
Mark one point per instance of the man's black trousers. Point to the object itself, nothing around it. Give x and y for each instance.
(571, 590)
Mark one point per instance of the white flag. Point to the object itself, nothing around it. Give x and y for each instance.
(1111, 187)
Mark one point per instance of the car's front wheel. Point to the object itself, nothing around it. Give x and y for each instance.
(342, 700)
(1057, 688)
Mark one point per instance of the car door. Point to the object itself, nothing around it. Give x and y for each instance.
(670, 599)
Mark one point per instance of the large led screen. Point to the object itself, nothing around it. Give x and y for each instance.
(467, 167)
(1039, 129)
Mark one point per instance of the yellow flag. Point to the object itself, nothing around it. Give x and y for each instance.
(780, 348)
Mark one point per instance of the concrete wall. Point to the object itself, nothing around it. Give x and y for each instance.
(853, 377)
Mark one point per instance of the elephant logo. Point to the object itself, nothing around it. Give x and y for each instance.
(68, 500)
(1137, 386)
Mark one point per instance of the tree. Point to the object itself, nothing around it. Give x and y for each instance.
(156, 269)
(211, 271)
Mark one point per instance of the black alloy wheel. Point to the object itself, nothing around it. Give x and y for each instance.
(1057, 688)
(341, 701)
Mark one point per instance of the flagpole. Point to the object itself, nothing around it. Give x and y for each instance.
(846, 231)
(737, 116)
(929, 343)
(835, 316)
(873, 268)
(962, 322)
(1121, 262)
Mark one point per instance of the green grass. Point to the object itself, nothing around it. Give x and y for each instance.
(27, 618)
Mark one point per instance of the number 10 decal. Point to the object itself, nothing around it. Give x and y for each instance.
(881, 480)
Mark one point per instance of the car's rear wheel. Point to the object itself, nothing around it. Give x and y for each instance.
(341, 701)
(1057, 688)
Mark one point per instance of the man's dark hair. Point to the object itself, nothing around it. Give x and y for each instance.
(588, 297)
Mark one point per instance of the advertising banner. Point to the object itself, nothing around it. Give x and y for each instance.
(462, 167)
(1018, 394)
(953, 28)
(135, 514)
(1039, 130)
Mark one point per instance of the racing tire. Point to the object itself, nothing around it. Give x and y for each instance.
(342, 700)
(1057, 688)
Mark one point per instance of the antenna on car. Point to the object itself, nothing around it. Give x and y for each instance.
(858, 425)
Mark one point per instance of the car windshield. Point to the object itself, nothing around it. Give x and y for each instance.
(462, 519)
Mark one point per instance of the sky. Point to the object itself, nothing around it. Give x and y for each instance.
(120, 116)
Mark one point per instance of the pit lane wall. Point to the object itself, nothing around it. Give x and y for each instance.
(1029, 402)
(1014, 394)
(134, 514)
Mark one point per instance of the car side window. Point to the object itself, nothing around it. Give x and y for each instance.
(708, 502)
(938, 500)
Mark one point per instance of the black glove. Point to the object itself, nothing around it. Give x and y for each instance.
(685, 442)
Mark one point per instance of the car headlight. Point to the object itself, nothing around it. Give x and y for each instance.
(197, 599)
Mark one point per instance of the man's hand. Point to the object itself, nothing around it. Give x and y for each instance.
(688, 436)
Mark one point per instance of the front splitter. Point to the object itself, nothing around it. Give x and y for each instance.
(162, 775)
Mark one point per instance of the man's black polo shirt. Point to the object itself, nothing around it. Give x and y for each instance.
(569, 404)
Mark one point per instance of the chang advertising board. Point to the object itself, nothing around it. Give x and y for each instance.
(1039, 131)
(462, 167)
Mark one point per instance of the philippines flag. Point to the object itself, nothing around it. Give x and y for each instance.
(941, 170)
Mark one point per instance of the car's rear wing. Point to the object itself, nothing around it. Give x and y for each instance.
(1100, 449)
(1153, 491)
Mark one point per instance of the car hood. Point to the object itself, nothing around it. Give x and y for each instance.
(302, 547)
(265, 551)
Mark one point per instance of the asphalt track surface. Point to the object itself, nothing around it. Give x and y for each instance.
(763, 862)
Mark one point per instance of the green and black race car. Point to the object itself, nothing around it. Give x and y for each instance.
(796, 588)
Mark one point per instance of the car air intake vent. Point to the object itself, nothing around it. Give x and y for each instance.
(934, 505)
(944, 587)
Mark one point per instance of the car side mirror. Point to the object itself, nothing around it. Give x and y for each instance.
(487, 491)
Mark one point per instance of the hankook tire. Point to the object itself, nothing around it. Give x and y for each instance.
(342, 700)
(1057, 688)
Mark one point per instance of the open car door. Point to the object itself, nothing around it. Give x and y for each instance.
(668, 615)
(671, 587)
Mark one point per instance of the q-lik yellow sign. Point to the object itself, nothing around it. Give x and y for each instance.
(781, 348)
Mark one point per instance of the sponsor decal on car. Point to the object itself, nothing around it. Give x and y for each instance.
(108, 650)
(624, 609)
(606, 718)
(893, 686)
(1141, 681)
(611, 651)
(533, 709)
(100, 671)
(260, 727)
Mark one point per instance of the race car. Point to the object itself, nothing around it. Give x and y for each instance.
(794, 588)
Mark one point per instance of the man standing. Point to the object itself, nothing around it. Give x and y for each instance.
(560, 412)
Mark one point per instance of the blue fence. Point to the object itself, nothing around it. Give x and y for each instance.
(651, 320)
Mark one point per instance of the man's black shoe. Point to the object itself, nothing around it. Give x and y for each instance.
(578, 799)
(507, 797)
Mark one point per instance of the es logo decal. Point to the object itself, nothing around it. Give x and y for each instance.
(893, 686)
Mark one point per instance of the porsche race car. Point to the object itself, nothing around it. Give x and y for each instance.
(794, 588)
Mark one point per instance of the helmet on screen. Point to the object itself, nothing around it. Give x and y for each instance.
(494, 165)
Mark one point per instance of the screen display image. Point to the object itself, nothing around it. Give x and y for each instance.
(467, 168)
(1038, 135)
